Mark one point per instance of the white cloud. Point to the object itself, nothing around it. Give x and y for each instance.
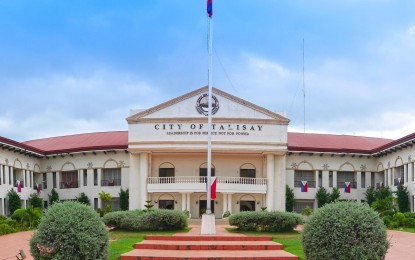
(411, 30)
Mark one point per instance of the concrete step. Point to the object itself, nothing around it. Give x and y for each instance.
(208, 245)
(150, 254)
(209, 238)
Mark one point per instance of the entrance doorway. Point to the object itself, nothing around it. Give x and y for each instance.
(202, 207)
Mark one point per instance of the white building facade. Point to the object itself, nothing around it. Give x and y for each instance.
(162, 158)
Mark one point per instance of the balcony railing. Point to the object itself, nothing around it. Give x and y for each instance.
(199, 179)
(112, 182)
(69, 185)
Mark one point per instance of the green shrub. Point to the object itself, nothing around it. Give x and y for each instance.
(409, 214)
(35, 201)
(289, 199)
(124, 199)
(409, 222)
(83, 198)
(345, 230)
(70, 230)
(14, 201)
(6, 229)
(226, 214)
(142, 220)
(265, 221)
(307, 211)
(53, 196)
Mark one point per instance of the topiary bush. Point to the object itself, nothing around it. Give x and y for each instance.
(273, 221)
(345, 230)
(143, 220)
(70, 230)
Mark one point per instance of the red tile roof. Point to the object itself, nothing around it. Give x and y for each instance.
(334, 143)
(305, 142)
(81, 142)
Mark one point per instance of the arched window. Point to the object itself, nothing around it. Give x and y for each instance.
(203, 170)
(166, 171)
(247, 171)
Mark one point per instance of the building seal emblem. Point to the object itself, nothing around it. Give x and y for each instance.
(202, 104)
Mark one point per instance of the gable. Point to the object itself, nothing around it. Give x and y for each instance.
(192, 105)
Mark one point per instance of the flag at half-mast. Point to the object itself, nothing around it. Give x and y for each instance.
(304, 186)
(209, 8)
(213, 188)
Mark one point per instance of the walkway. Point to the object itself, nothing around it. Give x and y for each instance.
(402, 243)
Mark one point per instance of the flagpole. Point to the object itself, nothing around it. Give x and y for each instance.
(209, 152)
(208, 226)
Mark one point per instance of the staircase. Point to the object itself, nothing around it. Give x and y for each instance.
(212, 247)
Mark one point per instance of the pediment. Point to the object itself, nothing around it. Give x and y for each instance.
(193, 106)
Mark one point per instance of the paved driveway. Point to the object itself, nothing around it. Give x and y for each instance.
(402, 245)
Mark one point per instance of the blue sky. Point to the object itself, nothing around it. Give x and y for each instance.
(78, 66)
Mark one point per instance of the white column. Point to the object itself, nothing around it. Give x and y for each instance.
(279, 182)
(184, 201)
(225, 202)
(385, 177)
(134, 182)
(335, 180)
(143, 178)
(359, 180)
(230, 203)
(188, 202)
(270, 180)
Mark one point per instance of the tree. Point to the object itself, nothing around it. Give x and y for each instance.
(334, 195)
(35, 201)
(124, 199)
(384, 201)
(370, 195)
(289, 199)
(53, 196)
(322, 196)
(32, 215)
(83, 198)
(402, 195)
(14, 201)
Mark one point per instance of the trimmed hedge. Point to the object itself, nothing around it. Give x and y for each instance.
(265, 221)
(345, 230)
(70, 230)
(152, 220)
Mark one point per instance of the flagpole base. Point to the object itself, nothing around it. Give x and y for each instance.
(208, 225)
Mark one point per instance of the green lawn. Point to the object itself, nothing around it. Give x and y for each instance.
(123, 241)
(405, 229)
(290, 239)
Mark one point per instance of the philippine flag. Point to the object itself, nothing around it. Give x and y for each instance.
(209, 8)
(213, 188)
(304, 186)
(347, 187)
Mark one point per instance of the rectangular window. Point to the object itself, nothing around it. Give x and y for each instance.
(300, 175)
(247, 173)
(406, 167)
(10, 175)
(320, 179)
(166, 172)
(30, 178)
(95, 177)
(54, 179)
(330, 179)
(166, 204)
(95, 203)
(343, 177)
(45, 181)
(85, 177)
(398, 175)
(363, 180)
(372, 179)
(299, 205)
(25, 178)
(69, 180)
(111, 177)
(203, 174)
(4, 174)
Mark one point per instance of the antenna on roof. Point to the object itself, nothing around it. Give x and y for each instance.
(303, 86)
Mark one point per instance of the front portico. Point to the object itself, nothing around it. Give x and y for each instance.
(168, 144)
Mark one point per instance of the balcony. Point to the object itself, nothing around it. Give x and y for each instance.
(198, 184)
(69, 185)
(112, 182)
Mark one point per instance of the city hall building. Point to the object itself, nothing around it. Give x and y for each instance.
(162, 159)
